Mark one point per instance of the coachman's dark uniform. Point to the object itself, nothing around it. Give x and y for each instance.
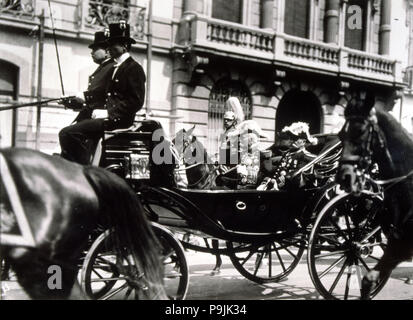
(96, 91)
(125, 93)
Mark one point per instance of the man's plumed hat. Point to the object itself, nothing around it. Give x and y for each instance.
(234, 105)
(99, 41)
(120, 31)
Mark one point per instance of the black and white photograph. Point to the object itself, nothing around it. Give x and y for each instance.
(218, 150)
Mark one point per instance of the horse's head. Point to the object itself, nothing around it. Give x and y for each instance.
(358, 136)
(189, 147)
(183, 139)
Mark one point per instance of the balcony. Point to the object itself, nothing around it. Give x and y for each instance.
(217, 37)
(75, 17)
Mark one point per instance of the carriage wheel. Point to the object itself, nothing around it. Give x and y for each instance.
(270, 262)
(101, 277)
(176, 272)
(100, 273)
(345, 243)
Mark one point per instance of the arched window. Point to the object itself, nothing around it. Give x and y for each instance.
(297, 18)
(8, 91)
(220, 93)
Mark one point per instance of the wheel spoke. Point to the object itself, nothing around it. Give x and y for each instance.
(97, 273)
(269, 262)
(250, 254)
(348, 226)
(324, 236)
(292, 254)
(372, 233)
(100, 258)
(127, 294)
(279, 258)
(116, 291)
(108, 279)
(347, 286)
(333, 253)
(258, 264)
(335, 263)
(340, 273)
(364, 264)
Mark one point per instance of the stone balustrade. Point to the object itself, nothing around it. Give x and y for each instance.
(226, 38)
(311, 51)
(239, 36)
(370, 63)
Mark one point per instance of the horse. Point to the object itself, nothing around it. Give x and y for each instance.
(200, 175)
(62, 204)
(200, 170)
(370, 135)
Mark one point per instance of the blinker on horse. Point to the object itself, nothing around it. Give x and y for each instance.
(63, 202)
(372, 135)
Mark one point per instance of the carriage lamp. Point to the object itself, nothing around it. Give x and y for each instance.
(137, 166)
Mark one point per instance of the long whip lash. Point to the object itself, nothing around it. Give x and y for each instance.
(57, 51)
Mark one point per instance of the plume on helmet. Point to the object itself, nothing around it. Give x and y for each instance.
(235, 106)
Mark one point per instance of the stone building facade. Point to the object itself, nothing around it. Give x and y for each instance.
(286, 60)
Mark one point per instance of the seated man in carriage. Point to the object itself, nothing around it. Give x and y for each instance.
(240, 149)
(248, 133)
(286, 156)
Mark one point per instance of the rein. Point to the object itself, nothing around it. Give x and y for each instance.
(393, 181)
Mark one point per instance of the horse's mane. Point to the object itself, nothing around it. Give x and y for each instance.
(398, 141)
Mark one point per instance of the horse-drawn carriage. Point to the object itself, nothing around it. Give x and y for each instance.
(265, 231)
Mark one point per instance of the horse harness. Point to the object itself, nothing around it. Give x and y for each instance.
(374, 130)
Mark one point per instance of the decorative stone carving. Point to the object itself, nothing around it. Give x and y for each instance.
(103, 12)
(195, 65)
(17, 7)
(375, 6)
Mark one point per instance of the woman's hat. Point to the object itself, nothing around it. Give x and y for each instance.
(298, 130)
(119, 31)
(99, 41)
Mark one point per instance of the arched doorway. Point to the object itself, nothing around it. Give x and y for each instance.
(297, 105)
(8, 91)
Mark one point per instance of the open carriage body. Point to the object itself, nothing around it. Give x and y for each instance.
(264, 233)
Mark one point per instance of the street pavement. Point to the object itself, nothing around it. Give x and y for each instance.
(230, 285)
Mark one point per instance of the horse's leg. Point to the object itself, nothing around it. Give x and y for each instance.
(5, 269)
(218, 263)
(396, 252)
(41, 278)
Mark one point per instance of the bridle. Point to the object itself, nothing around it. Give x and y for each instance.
(207, 176)
(363, 160)
(363, 163)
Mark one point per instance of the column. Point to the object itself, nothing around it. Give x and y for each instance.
(191, 5)
(385, 27)
(332, 21)
(267, 14)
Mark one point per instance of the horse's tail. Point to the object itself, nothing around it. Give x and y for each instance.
(121, 209)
